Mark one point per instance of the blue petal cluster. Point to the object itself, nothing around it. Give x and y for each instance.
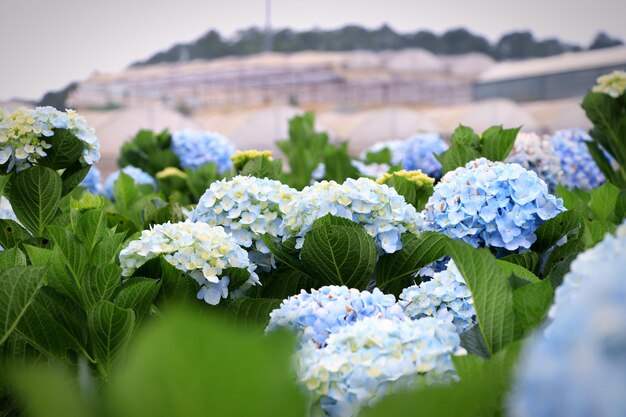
(536, 153)
(315, 315)
(373, 357)
(445, 297)
(138, 175)
(491, 204)
(195, 148)
(578, 167)
(383, 213)
(420, 153)
(6, 210)
(247, 207)
(92, 181)
(577, 366)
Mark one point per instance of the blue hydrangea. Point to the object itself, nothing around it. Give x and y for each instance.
(247, 207)
(536, 153)
(138, 175)
(24, 133)
(577, 367)
(578, 167)
(195, 148)
(92, 181)
(445, 297)
(373, 357)
(491, 204)
(6, 210)
(315, 315)
(202, 251)
(383, 213)
(420, 153)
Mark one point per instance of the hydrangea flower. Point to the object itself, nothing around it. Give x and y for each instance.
(445, 297)
(537, 154)
(92, 181)
(6, 210)
(613, 84)
(23, 135)
(491, 204)
(418, 178)
(420, 152)
(247, 207)
(578, 167)
(137, 174)
(374, 357)
(315, 315)
(576, 368)
(383, 213)
(200, 250)
(195, 148)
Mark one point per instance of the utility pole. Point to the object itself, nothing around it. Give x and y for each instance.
(268, 26)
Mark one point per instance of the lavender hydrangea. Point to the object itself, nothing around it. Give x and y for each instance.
(247, 207)
(383, 213)
(195, 148)
(578, 167)
(491, 204)
(137, 174)
(373, 357)
(575, 368)
(445, 297)
(315, 315)
(24, 133)
(92, 181)
(537, 154)
(203, 251)
(420, 152)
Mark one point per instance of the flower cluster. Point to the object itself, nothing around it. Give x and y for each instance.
(420, 153)
(491, 204)
(383, 213)
(138, 175)
(578, 167)
(195, 148)
(247, 207)
(241, 158)
(6, 210)
(92, 181)
(537, 154)
(373, 357)
(203, 251)
(445, 297)
(418, 178)
(24, 133)
(575, 368)
(613, 84)
(315, 315)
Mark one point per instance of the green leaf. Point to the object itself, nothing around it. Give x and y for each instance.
(283, 282)
(91, 227)
(35, 195)
(498, 142)
(73, 176)
(339, 164)
(518, 270)
(163, 377)
(11, 257)
(107, 250)
(263, 168)
(605, 166)
(138, 294)
(456, 156)
(252, 313)
(381, 157)
(603, 201)
(560, 253)
(528, 260)
(87, 201)
(99, 283)
(340, 255)
(531, 304)
(415, 195)
(18, 287)
(284, 255)
(473, 341)
(330, 220)
(417, 252)
(110, 329)
(71, 251)
(551, 231)
(11, 233)
(176, 286)
(573, 200)
(464, 135)
(66, 149)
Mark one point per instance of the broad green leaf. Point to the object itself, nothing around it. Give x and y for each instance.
(176, 286)
(552, 230)
(91, 227)
(11, 233)
(73, 176)
(110, 329)
(573, 201)
(496, 144)
(87, 201)
(71, 250)
(330, 220)
(415, 195)
(597, 229)
(528, 260)
(283, 282)
(473, 341)
(381, 157)
(163, 377)
(138, 294)
(11, 257)
(561, 253)
(338, 163)
(284, 255)
(464, 135)
(251, 313)
(18, 287)
(417, 252)
(125, 192)
(456, 156)
(99, 283)
(531, 304)
(65, 151)
(603, 201)
(521, 272)
(467, 366)
(340, 255)
(263, 168)
(107, 250)
(605, 166)
(34, 195)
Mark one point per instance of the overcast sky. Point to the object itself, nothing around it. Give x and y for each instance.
(45, 44)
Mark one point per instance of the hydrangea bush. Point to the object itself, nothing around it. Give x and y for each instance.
(577, 165)
(202, 251)
(420, 151)
(138, 175)
(195, 148)
(383, 213)
(491, 204)
(537, 154)
(316, 314)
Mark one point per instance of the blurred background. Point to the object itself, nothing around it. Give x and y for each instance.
(370, 70)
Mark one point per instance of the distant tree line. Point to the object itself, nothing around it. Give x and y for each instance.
(515, 45)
